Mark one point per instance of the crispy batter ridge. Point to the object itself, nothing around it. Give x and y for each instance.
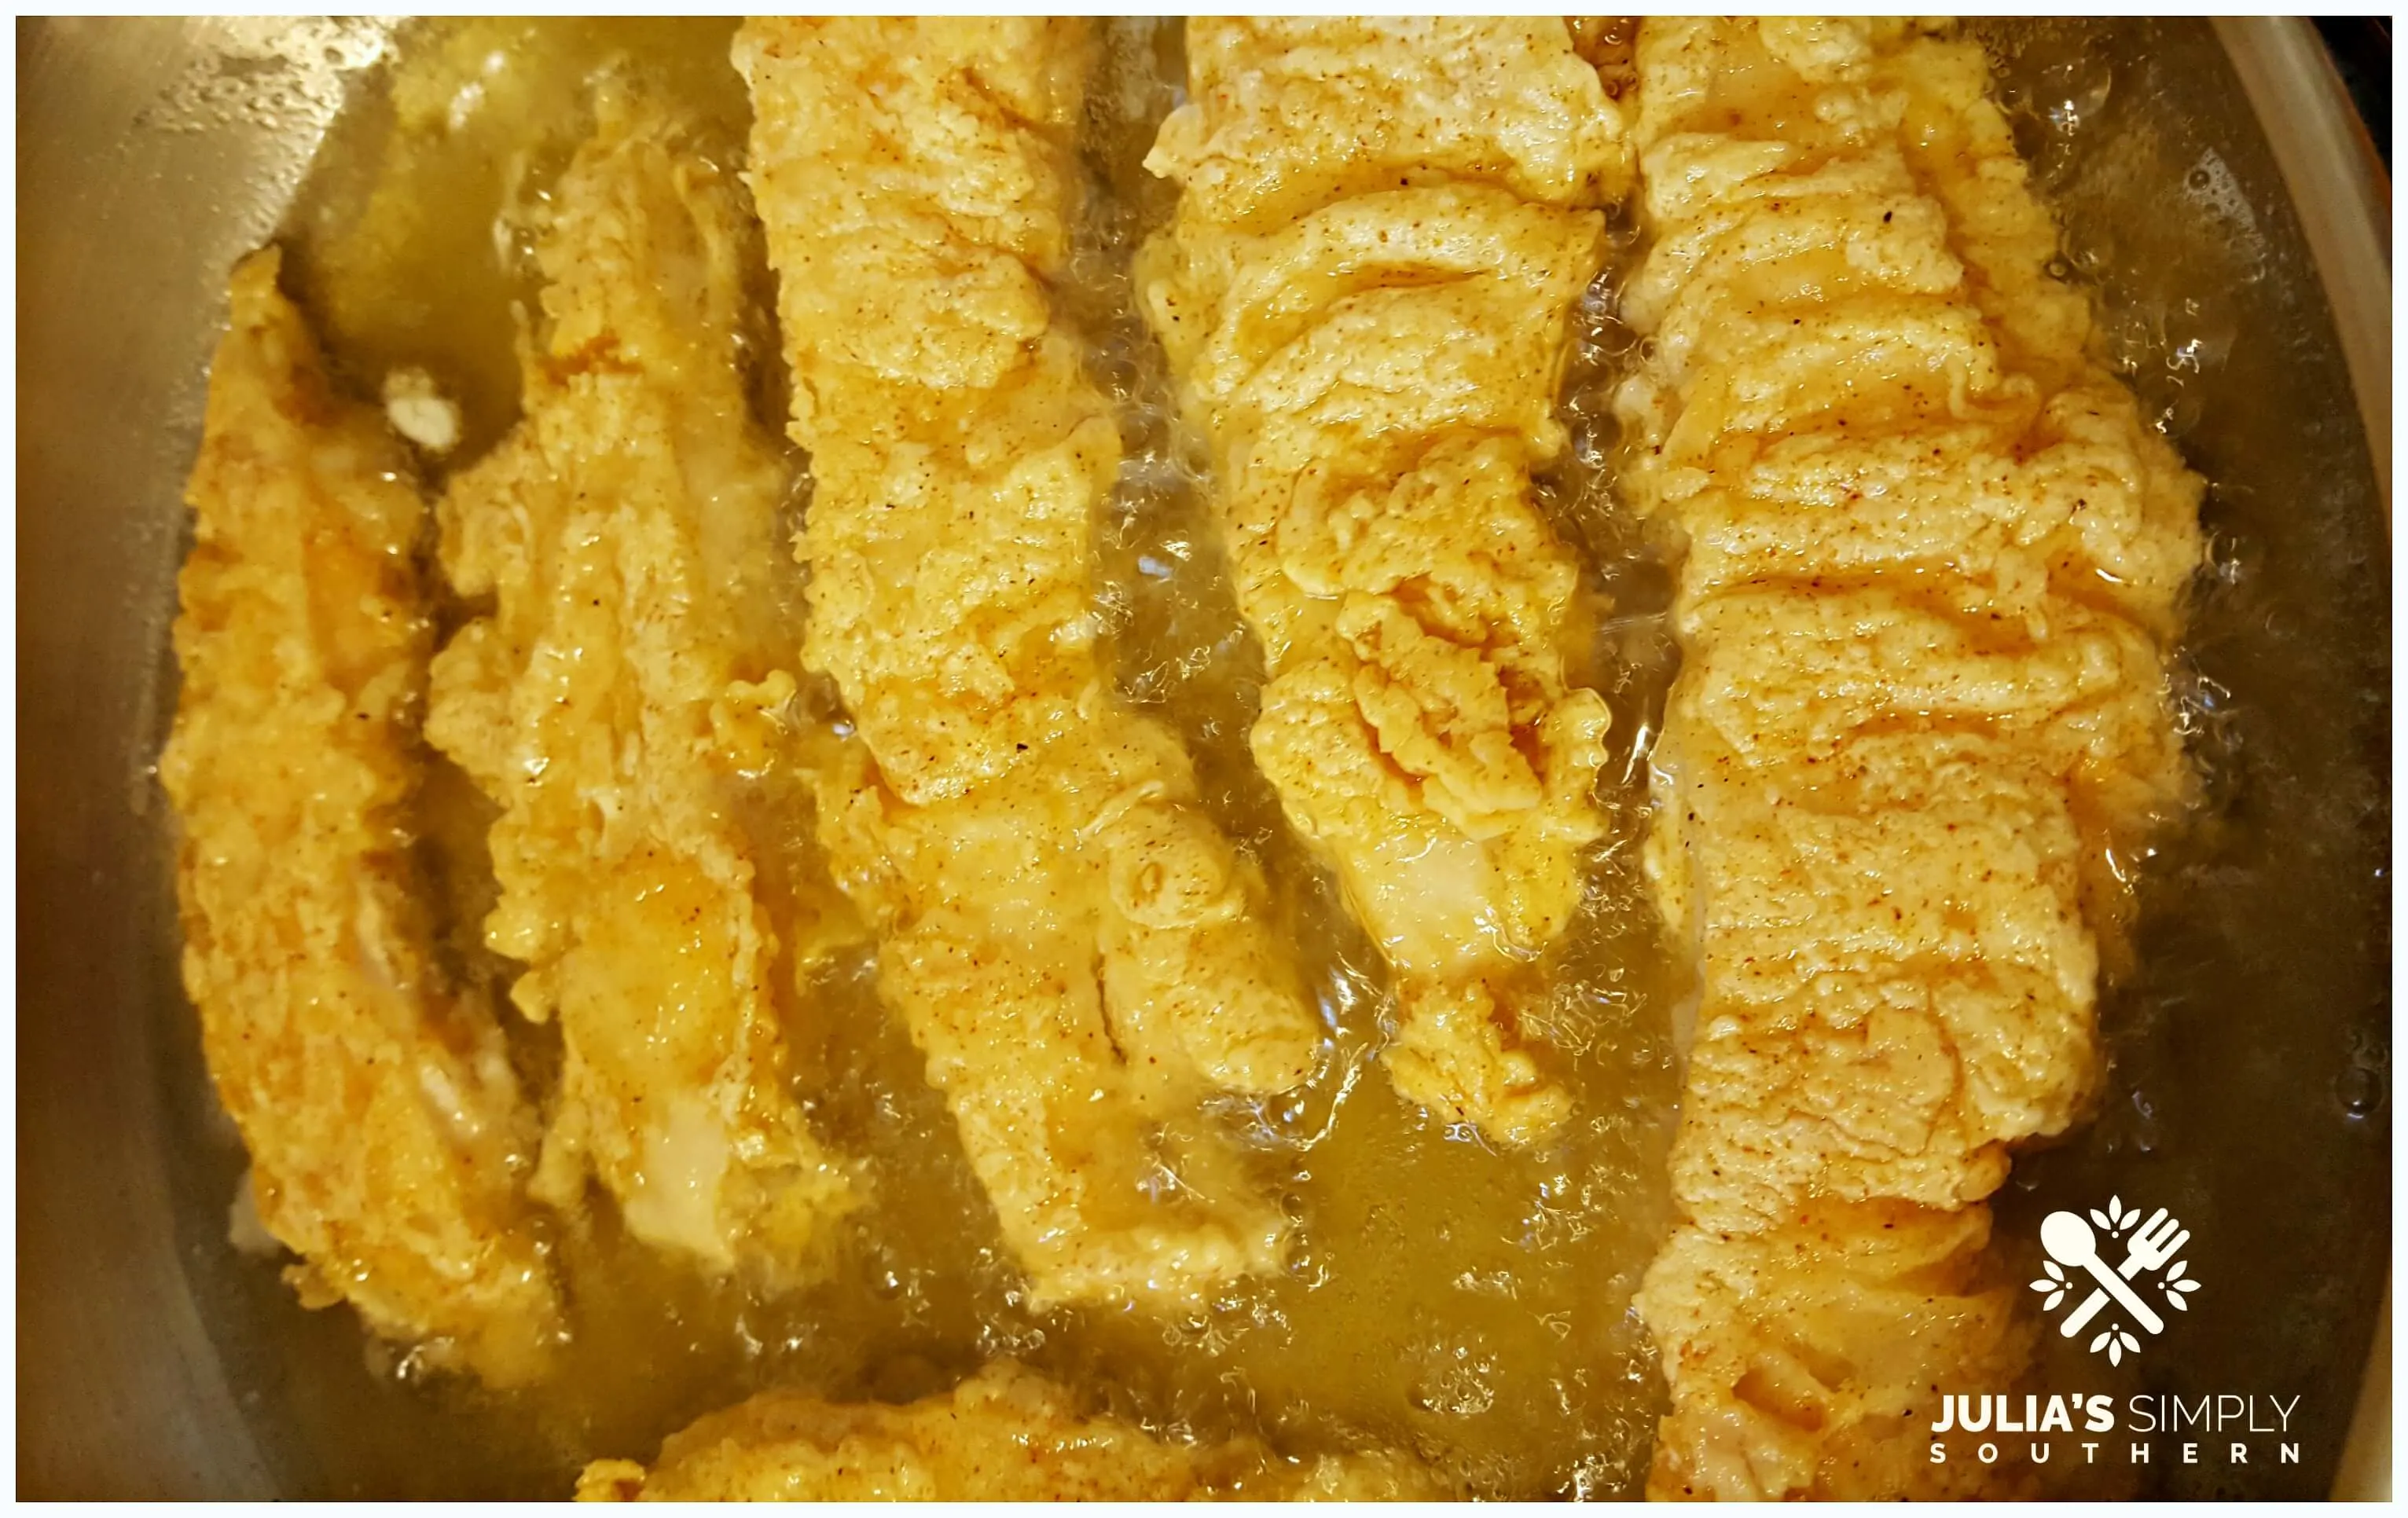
(1383, 227)
(1934, 560)
(615, 699)
(1075, 947)
(387, 1138)
(1005, 1435)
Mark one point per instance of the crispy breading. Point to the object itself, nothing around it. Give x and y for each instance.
(1933, 559)
(1074, 946)
(1384, 228)
(1900, 982)
(1292, 113)
(627, 680)
(1005, 1435)
(388, 1142)
(1828, 1333)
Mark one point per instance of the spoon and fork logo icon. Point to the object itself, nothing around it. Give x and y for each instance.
(2074, 1249)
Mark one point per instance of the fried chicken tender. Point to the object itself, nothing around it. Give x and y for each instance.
(388, 1141)
(624, 688)
(1005, 1435)
(1074, 946)
(1383, 227)
(1934, 559)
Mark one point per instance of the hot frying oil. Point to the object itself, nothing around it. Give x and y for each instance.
(1469, 1304)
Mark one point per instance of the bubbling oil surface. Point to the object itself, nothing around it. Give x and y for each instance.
(1469, 1304)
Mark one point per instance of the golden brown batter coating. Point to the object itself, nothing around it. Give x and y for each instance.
(387, 1140)
(1003, 1436)
(1830, 1333)
(1299, 112)
(628, 683)
(1382, 231)
(1933, 558)
(1074, 946)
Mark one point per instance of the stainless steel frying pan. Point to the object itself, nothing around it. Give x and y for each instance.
(2223, 191)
